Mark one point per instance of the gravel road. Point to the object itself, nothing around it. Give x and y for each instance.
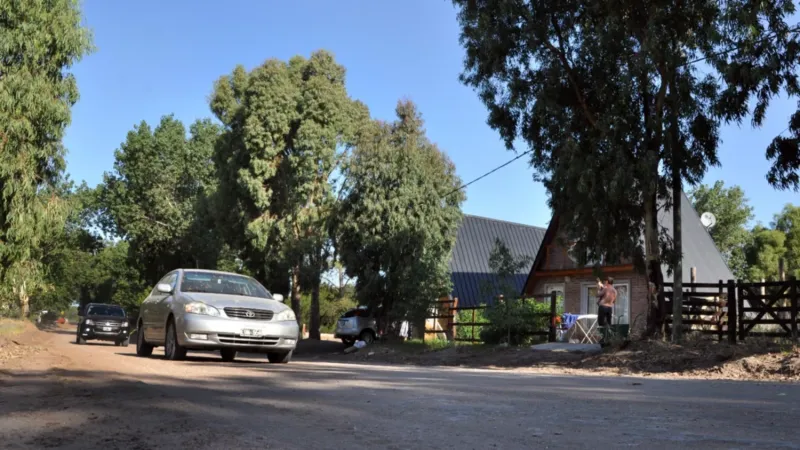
(101, 396)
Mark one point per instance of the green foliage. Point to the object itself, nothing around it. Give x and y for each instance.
(609, 100)
(470, 331)
(331, 306)
(788, 222)
(770, 245)
(39, 41)
(285, 126)
(157, 197)
(733, 214)
(396, 225)
(513, 320)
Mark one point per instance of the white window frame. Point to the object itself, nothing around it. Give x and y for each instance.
(585, 300)
(558, 287)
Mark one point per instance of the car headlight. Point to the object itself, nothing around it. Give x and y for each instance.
(124, 324)
(89, 322)
(286, 314)
(201, 308)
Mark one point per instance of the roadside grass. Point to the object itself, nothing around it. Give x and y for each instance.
(11, 327)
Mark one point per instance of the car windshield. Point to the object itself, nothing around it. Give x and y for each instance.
(222, 283)
(105, 310)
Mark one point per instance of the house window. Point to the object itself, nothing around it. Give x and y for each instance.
(558, 287)
(621, 313)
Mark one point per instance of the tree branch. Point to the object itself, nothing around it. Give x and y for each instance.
(570, 73)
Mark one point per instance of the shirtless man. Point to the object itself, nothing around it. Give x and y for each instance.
(606, 297)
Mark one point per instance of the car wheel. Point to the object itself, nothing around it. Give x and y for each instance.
(142, 347)
(173, 351)
(79, 340)
(348, 341)
(125, 342)
(367, 336)
(280, 358)
(228, 354)
(117, 343)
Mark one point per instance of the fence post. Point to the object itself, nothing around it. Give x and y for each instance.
(719, 310)
(740, 310)
(732, 315)
(794, 293)
(551, 334)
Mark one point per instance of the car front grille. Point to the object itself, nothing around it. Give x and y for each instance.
(247, 340)
(245, 313)
(113, 325)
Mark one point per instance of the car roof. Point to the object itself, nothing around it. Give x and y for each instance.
(103, 304)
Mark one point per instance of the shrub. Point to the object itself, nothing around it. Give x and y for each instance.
(514, 321)
(466, 331)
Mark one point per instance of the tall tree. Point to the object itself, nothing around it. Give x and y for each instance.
(39, 42)
(733, 213)
(788, 222)
(763, 254)
(609, 98)
(162, 178)
(286, 125)
(398, 218)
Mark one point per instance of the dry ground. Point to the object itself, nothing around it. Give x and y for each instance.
(56, 394)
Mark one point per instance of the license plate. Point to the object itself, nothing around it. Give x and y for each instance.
(106, 328)
(251, 332)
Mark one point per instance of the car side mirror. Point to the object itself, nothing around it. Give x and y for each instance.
(164, 288)
(278, 297)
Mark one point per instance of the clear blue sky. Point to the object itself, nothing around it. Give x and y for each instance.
(160, 57)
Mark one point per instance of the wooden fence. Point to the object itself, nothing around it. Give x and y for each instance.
(737, 309)
(444, 318)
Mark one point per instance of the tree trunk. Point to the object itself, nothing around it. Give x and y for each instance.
(677, 237)
(24, 301)
(296, 293)
(652, 265)
(313, 328)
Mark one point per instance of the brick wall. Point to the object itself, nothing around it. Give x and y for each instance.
(572, 294)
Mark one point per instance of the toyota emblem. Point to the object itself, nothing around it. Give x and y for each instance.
(250, 314)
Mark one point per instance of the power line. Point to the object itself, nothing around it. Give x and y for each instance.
(688, 63)
(487, 173)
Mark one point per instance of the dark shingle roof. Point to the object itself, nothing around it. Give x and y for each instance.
(699, 249)
(469, 264)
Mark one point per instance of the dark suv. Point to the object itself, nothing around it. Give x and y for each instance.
(103, 322)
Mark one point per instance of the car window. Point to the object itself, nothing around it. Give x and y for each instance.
(105, 310)
(222, 283)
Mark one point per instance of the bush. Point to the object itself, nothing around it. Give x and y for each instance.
(466, 331)
(514, 321)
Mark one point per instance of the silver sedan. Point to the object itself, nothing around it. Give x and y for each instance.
(208, 310)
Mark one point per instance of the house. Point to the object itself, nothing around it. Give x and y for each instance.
(555, 270)
(469, 263)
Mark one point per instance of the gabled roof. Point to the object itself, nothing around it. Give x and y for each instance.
(699, 249)
(469, 264)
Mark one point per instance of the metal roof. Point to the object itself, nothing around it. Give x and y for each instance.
(699, 249)
(469, 264)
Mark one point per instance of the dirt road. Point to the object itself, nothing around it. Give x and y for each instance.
(101, 396)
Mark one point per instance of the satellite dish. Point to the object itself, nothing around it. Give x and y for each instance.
(708, 220)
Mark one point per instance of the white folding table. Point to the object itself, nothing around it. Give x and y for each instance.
(588, 329)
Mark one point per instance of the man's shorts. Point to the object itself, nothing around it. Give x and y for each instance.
(603, 315)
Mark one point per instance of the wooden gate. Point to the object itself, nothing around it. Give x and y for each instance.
(768, 309)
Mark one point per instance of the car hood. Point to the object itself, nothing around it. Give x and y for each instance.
(108, 318)
(220, 301)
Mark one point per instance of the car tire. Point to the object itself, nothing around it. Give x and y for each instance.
(125, 342)
(117, 343)
(173, 350)
(227, 354)
(367, 336)
(142, 347)
(348, 341)
(280, 358)
(80, 340)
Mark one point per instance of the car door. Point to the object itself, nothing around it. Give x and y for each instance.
(159, 309)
